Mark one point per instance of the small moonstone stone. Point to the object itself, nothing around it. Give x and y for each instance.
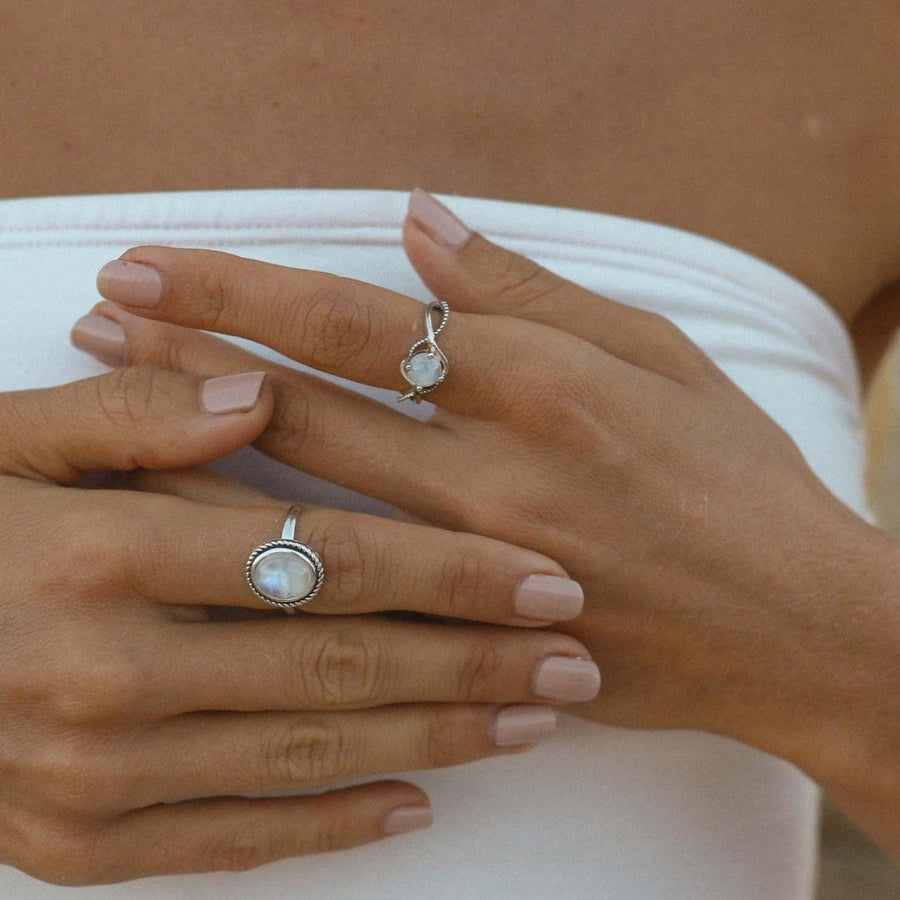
(283, 574)
(424, 370)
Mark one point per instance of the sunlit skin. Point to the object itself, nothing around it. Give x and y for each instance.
(770, 126)
(725, 585)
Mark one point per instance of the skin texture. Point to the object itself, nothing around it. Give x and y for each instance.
(134, 692)
(726, 589)
(767, 124)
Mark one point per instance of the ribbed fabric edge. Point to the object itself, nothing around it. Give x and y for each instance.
(287, 215)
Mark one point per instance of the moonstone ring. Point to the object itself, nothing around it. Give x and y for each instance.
(425, 366)
(285, 572)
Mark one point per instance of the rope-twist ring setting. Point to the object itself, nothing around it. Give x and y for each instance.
(285, 572)
(425, 366)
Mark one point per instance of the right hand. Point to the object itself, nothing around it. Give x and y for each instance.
(131, 719)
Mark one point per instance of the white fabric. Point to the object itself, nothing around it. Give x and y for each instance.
(594, 811)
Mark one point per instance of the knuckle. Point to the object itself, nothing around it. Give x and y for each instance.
(124, 397)
(478, 672)
(292, 424)
(144, 556)
(458, 582)
(333, 831)
(70, 774)
(97, 687)
(521, 281)
(62, 854)
(246, 846)
(442, 741)
(90, 532)
(485, 516)
(214, 286)
(571, 392)
(623, 461)
(338, 326)
(307, 753)
(339, 667)
(352, 560)
(668, 342)
(663, 328)
(169, 347)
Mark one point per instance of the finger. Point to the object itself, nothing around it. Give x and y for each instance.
(324, 429)
(232, 833)
(330, 663)
(137, 416)
(190, 552)
(338, 325)
(475, 275)
(201, 484)
(210, 755)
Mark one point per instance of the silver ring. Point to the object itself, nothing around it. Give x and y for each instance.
(425, 366)
(285, 572)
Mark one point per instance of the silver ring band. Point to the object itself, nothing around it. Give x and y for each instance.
(285, 572)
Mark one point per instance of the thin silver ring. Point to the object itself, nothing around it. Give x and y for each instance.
(426, 366)
(285, 572)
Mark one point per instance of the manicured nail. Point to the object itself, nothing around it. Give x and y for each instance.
(567, 679)
(523, 725)
(130, 283)
(549, 597)
(407, 818)
(231, 393)
(101, 337)
(436, 220)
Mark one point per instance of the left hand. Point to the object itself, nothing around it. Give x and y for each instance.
(600, 435)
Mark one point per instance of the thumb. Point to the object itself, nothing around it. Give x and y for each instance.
(132, 417)
(475, 275)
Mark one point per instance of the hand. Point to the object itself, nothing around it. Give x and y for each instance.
(131, 720)
(581, 428)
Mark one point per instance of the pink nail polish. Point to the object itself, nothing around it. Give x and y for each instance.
(130, 283)
(436, 220)
(516, 725)
(567, 679)
(231, 393)
(101, 337)
(549, 597)
(407, 818)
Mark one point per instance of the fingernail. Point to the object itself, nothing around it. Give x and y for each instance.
(407, 818)
(231, 393)
(567, 679)
(101, 337)
(523, 725)
(130, 283)
(549, 597)
(436, 220)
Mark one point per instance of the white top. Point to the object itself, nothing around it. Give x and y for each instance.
(594, 811)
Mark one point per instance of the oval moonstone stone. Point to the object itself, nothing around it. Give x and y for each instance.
(283, 574)
(424, 370)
